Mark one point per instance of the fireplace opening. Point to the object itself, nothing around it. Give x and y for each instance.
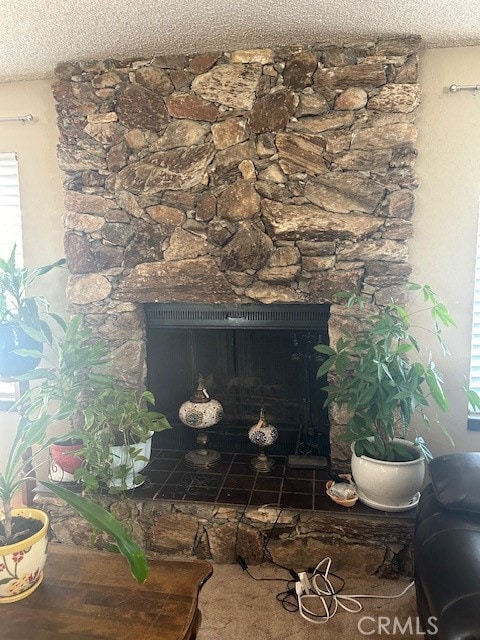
(250, 356)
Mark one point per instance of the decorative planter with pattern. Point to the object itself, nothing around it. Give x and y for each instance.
(21, 563)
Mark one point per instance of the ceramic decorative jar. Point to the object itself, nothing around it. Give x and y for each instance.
(262, 434)
(201, 412)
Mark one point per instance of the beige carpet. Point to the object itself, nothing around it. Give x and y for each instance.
(235, 607)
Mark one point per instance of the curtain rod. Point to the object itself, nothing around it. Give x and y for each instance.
(464, 87)
(22, 119)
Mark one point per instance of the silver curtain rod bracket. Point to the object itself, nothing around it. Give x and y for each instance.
(464, 87)
(22, 119)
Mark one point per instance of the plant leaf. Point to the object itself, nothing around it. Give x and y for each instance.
(105, 521)
(325, 367)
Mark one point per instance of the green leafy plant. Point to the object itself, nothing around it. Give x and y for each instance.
(18, 312)
(72, 372)
(15, 305)
(117, 417)
(380, 376)
(101, 413)
(32, 434)
(72, 376)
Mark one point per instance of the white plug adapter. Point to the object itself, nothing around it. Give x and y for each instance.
(305, 582)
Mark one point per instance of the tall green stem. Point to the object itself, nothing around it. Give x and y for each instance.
(7, 510)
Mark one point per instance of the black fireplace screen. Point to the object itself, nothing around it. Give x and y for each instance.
(250, 356)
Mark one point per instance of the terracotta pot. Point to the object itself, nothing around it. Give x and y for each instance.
(64, 461)
(21, 563)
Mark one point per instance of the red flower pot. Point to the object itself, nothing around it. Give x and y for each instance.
(65, 456)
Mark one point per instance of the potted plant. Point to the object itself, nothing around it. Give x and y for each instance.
(119, 427)
(380, 375)
(18, 309)
(23, 532)
(72, 373)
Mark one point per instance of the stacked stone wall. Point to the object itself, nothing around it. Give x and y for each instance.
(381, 545)
(268, 175)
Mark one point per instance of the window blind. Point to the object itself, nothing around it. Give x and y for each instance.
(475, 350)
(10, 214)
(11, 233)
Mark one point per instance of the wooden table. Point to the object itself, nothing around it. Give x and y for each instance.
(91, 595)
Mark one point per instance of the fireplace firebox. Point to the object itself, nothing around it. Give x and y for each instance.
(250, 356)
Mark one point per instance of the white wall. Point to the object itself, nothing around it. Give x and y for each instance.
(442, 251)
(40, 192)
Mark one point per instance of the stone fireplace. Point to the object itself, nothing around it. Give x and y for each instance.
(266, 176)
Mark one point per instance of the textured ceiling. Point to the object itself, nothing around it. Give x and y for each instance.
(36, 34)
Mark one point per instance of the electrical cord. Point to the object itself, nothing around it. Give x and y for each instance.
(326, 597)
(266, 555)
(266, 551)
(286, 598)
(319, 590)
(242, 562)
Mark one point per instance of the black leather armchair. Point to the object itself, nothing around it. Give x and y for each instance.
(447, 549)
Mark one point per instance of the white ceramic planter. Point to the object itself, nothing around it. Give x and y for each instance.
(120, 455)
(389, 486)
(21, 564)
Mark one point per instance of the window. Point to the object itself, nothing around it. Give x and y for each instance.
(9, 393)
(11, 226)
(474, 416)
(10, 213)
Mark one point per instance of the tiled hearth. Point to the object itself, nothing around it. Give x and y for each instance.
(233, 482)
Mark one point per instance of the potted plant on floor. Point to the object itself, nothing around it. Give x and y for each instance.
(380, 376)
(120, 423)
(23, 532)
(18, 309)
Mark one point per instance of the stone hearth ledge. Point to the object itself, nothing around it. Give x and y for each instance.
(380, 545)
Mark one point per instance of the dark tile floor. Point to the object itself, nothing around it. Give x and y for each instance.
(232, 481)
